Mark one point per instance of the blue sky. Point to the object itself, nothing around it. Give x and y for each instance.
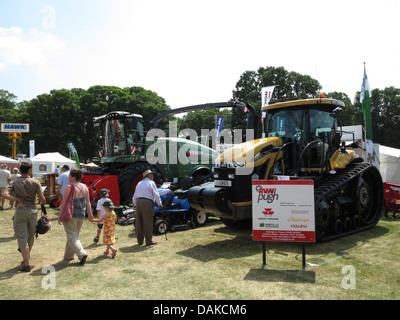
(191, 51)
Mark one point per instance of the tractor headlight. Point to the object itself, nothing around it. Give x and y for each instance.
(240, 164)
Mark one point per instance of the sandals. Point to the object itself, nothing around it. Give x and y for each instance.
(113, 254)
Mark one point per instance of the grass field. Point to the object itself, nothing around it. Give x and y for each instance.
(212, 262)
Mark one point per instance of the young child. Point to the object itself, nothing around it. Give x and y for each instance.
(101, 212)
(109, 227)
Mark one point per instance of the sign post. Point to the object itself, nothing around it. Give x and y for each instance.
(283, 211)
(15, 131)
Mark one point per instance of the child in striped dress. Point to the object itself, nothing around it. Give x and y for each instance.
(109, 227)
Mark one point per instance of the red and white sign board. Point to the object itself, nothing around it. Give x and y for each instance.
(283, 210)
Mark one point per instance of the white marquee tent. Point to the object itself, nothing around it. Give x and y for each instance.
(7, 160)
(45, 163)
(390, 164)
(11, 163)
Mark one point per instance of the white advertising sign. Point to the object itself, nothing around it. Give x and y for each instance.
(31, 148)
(15, 127)
(266, 94)
(283, 210)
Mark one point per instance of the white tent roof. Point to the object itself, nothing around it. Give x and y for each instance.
(390, 154)
(390, 164)
(7, 160)
(52, 156)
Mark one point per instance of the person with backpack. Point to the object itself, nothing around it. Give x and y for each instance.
(24, 191)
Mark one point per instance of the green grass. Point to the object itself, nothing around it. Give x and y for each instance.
(212, 262)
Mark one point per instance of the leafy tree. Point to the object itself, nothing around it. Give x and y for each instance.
(204, 119)
(67, 115)
(8, 114)
(288, 85)
(99, 100)
(385, 113)
(54, 119)
(352, 114)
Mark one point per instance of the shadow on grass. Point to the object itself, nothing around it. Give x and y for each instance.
(242, 245)
(62, 264)
(295, 276)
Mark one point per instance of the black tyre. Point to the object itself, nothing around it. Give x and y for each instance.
(369, 196)
(160, 227)
(130, 177)
(53, 203)
(200, 218)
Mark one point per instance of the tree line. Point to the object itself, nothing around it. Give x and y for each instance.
(67, 115)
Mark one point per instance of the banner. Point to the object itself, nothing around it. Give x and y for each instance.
(283, 210)
(31, 148)
(74, 154)
(219, 124)
(266, 94)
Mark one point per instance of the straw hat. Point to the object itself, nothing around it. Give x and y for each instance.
(147, 172)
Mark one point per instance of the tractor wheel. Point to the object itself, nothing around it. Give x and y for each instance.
(200, 218)
(369, 196)
(53, 202)
(160, 226)
(130, 177)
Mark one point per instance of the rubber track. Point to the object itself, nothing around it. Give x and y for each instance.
(329, 185)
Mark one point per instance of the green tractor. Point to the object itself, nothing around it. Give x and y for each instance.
(129, 148)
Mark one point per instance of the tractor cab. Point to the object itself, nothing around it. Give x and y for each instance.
(309, 134)
(122, 136)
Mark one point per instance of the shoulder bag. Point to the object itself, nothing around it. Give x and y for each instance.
(66, 213)
(44, 224)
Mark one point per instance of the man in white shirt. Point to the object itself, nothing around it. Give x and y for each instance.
(146, 194)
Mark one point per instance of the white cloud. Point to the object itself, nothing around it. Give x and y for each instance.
(33, 48)
(193, 52)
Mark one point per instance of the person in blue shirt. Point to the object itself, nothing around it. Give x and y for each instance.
(63, 181)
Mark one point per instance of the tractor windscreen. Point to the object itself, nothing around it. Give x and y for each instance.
(293, 124)
(320, 122)
(286, 123)
(123, 136)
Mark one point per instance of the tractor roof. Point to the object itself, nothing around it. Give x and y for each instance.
(116, 115)
(326, 102)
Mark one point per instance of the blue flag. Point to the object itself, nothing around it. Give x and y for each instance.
(219, 124)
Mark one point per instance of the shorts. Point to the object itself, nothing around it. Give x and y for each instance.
(25, 220)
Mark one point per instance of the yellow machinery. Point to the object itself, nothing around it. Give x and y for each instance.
(302, 141)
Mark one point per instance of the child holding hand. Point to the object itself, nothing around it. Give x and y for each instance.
(108, 220)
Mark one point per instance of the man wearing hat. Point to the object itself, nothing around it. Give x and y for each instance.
(146, 194)
(101, 212)
(63, 181)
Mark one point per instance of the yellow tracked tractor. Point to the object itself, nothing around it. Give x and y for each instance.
(302, 141)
